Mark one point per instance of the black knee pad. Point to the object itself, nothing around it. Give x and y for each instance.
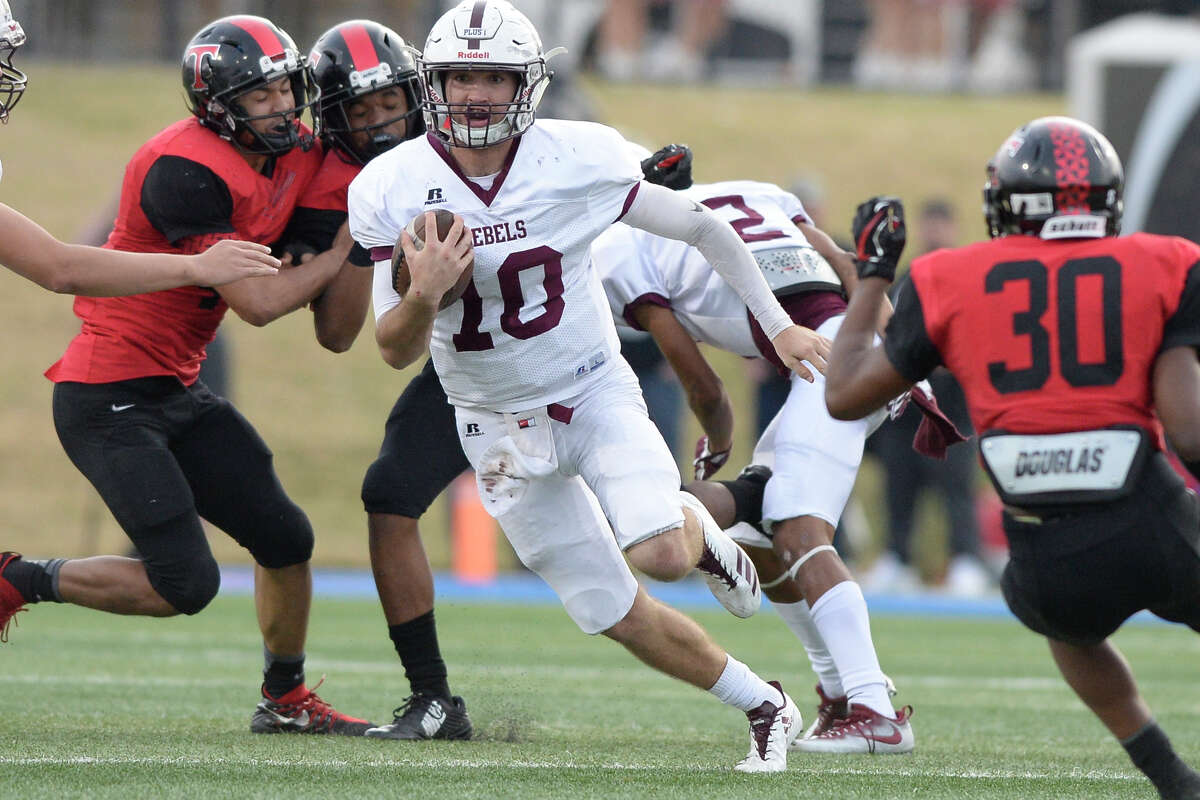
(747, 491)
(380, 489)
(282, 539)
(178, 562)
(188, 586)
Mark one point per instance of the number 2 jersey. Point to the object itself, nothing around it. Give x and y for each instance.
(533, 327)
(638, 268)
(183, 190)
(1050, 336)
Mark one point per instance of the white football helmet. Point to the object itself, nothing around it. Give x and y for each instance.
(12, 80)
(486, 35)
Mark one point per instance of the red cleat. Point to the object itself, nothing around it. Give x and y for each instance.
(11, 602)
(301, 711)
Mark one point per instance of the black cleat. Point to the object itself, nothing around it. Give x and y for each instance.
(426, 716)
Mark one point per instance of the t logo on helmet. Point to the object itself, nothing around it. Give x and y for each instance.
(198, 52)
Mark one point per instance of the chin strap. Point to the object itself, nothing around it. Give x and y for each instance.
(795, 567)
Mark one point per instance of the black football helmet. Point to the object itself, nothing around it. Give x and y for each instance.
(12, 80)
(1056, 178)
(354, 59)
(238, 54)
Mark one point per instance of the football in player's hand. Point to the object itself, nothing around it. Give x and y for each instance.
(401, 279)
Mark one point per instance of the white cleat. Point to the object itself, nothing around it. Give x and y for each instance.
(863, 731)
(772, 730)
(728, 571)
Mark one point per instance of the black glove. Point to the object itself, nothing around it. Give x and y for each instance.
(670, 167)
(878, 237)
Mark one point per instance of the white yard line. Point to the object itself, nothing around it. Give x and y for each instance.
(411, 760)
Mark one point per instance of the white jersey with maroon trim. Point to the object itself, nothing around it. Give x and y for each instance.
(533, 326)
(637, 267)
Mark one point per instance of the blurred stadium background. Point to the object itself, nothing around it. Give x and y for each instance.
(780, 95)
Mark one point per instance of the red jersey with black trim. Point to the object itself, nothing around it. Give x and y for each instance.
(328, 189)
(1050, 336)
(184, 184)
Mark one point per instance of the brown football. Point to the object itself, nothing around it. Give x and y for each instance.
(416, 229)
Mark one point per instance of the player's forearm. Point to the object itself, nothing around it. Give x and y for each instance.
(29, 250)
(714, 412)
(403, 332)
(854, 342)
(339, 312)
(262, 300)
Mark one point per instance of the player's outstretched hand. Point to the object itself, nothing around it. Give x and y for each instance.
(438, 264)
(879, 236)
(230, 260)
(798, 344)
(708, 461)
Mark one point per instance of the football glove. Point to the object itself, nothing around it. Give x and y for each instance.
(670, 167)
(878, 237)
(706, 462)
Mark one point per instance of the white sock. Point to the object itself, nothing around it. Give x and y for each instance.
(799, 621)
(739, 687)
(841, 617)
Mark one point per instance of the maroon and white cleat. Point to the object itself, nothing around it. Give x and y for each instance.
(728, 571)
(864, 730)
(832, 709)
(829, 711)
(772, 729)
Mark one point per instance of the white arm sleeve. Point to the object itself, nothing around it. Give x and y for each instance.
(664, 212)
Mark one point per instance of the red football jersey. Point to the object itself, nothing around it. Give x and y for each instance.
(329, 188)
(1050, 336)
(184, 182)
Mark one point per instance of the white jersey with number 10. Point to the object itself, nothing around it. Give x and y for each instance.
(533, 327)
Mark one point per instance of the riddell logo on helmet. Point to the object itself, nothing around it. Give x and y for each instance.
(473, 54)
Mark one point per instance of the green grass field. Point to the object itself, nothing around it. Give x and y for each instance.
(101, 706)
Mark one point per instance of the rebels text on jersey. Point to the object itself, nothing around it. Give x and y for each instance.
(183, 190)
(1050, 337)
(533, 325)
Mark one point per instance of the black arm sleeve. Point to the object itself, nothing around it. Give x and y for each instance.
(183, 198)
(315, 227)
(906, 341)
(1183, 327)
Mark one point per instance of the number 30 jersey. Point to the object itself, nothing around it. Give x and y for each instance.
(533, 326)
(1050, 336)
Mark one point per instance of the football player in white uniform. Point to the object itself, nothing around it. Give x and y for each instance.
(28, 250)
(667, 288)
(548, 412)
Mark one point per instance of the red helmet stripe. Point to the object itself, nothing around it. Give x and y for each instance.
(476, 21)
(262, 33)
(362, 49)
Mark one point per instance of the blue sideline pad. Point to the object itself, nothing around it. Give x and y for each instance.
(525, 588)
